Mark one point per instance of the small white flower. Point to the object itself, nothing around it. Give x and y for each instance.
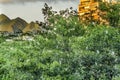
(55, 28)
(9, 40)
(98, 51)
(12, 48)
(106, 31)
(113, 53)
(27, 60)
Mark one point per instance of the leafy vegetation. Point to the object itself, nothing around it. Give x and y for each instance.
(113, 13)
(65, 50)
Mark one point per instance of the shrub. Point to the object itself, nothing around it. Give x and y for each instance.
(102, 39)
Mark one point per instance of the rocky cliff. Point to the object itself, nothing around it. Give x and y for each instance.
(16, 25)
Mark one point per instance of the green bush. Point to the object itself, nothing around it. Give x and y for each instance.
(1, 39)
(102, 39)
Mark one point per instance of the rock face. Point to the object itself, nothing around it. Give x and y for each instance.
(3, 19)
(32, 27)
(16, 26)
(5, 24)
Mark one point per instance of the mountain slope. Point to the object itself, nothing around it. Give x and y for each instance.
(16, 25)
(4, 19)
(32, 27)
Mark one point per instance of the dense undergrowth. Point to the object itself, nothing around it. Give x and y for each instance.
(67, 50)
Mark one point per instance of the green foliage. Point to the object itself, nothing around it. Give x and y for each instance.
(98, 66)
(68, 27)
(113, 13)
(102, 39)
(103, 6)
(62, 57)
(67, 50)
(1, 39)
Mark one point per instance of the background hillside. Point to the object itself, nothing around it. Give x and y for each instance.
(17, 25)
